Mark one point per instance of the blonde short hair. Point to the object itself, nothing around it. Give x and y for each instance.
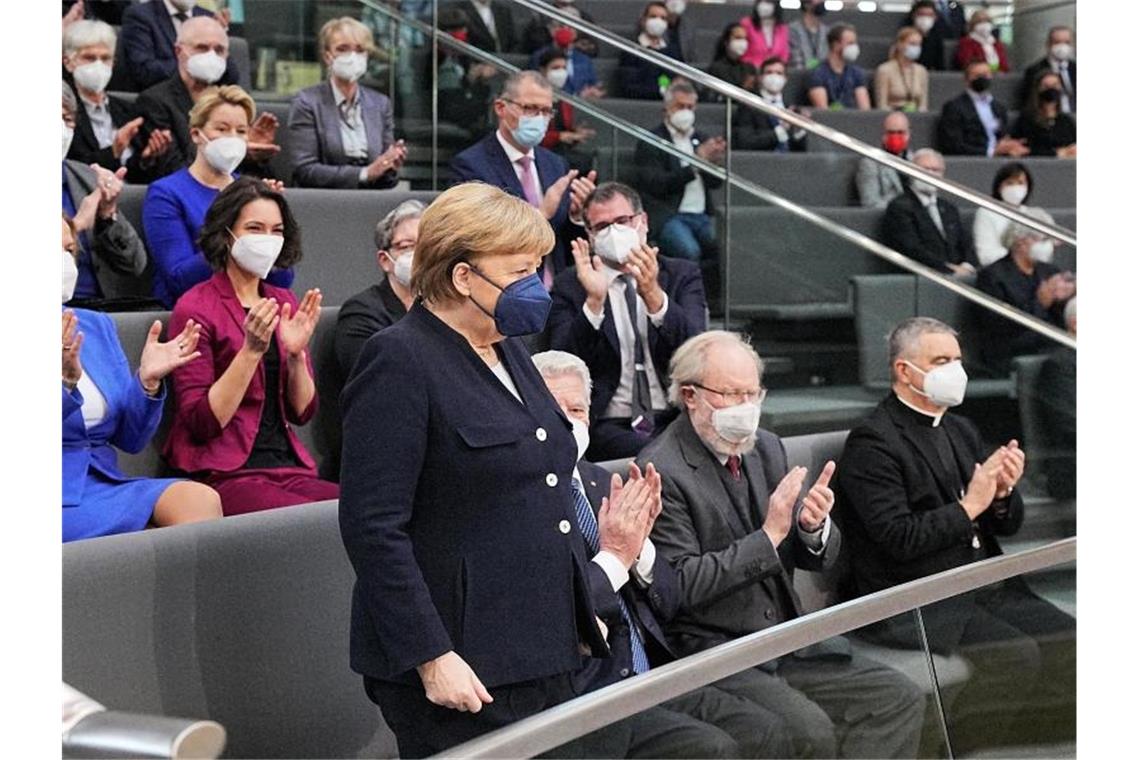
(212, 97)
(468, 222)
(347, 24)
(687, 367)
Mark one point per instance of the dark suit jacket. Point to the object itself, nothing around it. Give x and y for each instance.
(600, 349)
(1003, 338)
(117, 253)
(661, 179)
(486, 161)
(899, 507)
(315, 143)
(1034, 71)
(753, 130)
(733, 582)
(960, 131)
(456, 512)
(480, 36)
(147, 42)
(85, 146)
(650, 606)
(638, 78)
(362, 316)
(908, 228)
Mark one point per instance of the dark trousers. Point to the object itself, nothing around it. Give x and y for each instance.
(613, 438)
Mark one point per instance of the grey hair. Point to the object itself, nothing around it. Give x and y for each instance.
(903, 340)
(607, 191)
(386, 227)
(554, 363)
(923, 152)
(69, 103)
(511, 86)
(678, 85)
(687, 367)
(1070, 313)
(1016, 231)
(86, 33)
(193, 23)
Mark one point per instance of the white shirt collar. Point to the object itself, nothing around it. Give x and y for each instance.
(513, 153)
(981, 97)
(676, 134)
(339, 97)
(645, 40)
(937, 417)
(777, 99)
(173, 11)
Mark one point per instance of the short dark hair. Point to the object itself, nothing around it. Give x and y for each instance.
(549, 55)
(216, 236)
(919, 4)
(835, 33)
(1008, 171)
(607, 191)
(452, 17)
(771, 60)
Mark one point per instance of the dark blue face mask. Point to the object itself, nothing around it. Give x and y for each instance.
(522, 308)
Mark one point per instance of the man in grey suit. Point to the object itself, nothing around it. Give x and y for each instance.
(340, 132)
(879, 184)
(734, 528)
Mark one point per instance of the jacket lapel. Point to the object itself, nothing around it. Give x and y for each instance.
(502, 166)
(330, 122)
(697, 456)
(370, 113)
(926, 450)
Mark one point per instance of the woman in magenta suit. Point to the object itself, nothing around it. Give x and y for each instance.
(767, 33)
(238, 403)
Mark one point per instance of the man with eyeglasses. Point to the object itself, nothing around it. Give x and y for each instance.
(624, 310)
(734, 528)
(512, 159)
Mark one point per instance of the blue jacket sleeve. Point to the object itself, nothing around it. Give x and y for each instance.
(282, 278)
(464, 169)
(176, 258)
(140, 415)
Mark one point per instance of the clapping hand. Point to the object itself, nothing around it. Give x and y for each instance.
(259, 325)
(391, 159)
(158, 143)
(642, 265)
(552, 198)
(109, 186)
(778, 520)
(580, 189)
(819, 501)
(261, 140)
(626, 515)
(160, 359)
(297, 326)
(983, 485)
(72, 342)
(1012, 467)
(591, 275)
(124, 135)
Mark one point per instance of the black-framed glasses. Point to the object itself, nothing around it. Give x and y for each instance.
(625, 219)
(531, 110)
(737, 397)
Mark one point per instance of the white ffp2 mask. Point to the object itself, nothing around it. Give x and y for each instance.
(70, 276)
(615, 242)
(256, 253)
(945, 385)
(737, 423)
(206, 67)
(225, 153)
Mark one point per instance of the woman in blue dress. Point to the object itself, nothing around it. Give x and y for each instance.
(105, 405)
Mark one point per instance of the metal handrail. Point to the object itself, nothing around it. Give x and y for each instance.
(90, 730)
(1003, 309)
(570, 720)
(753, 100)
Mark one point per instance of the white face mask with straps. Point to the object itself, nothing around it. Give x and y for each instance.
(256, 253)
(944, 385)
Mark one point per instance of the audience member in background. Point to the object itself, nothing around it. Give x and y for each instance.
(1059, 59)
(755, 130)
(149, 33)
(624, 309)
(877, 183)
(175, 206)
(581, 78)
(1045, 128)
(564, 135)
(1012, 184)
(537, 34)
(108, 11)
(980, 43)
(237, 405)
(728, 61)
(676, 193)
(927, 228)
(681, 35)
(490, 25)
(637, 77)
(109, 256)
(919, 492)
(837, 82)
(513, 160)
(925, 17)
(383, 304)
(464, 84)
(735, 529)
(635, 592)
(106, 406)
(105, 126)
(342, 133)
(1026, 279)
(202, 48)
(901, 82)
(976, 123)
(807, 37)
(767, 33)
(1055, 404)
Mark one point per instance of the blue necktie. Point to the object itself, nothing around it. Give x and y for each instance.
(589, 526)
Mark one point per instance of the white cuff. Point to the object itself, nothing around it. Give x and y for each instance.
(816, 541)
(781, 133)
(658, 316)
(363, 176)
(613, 568)
(125, 156)
(595, 319)
(643, 568)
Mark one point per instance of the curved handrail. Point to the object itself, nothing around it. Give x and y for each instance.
(753, 100)
(871, 245)
(570, 720)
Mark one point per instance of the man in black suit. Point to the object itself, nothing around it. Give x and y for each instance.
(635, 593)
(734, 528)
(975, 123)
(918, 494)
(1058, 59)
(677, 194)
(491, 25)
(149, 32)
(591, 317)
(938, 22)
(927, 228)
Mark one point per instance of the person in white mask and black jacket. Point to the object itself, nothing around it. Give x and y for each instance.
(175, 206)
(624, 310)
(753, 129)
(238, 405)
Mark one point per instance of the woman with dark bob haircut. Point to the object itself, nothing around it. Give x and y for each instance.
(237, 404)
(1012, 184)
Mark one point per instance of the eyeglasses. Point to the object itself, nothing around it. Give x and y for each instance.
(625, 220)
(531, 110)
(737, 397)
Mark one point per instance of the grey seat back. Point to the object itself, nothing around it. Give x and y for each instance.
(1027, 375)
(239, 54)
(321, 436)
(881, 302)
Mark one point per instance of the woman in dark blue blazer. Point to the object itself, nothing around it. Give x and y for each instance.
(106, 406)
(471, 606)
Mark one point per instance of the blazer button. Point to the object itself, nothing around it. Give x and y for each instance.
(624, 672)
(540, 434)
(551, 480)
(564, 526)
(769, 613)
